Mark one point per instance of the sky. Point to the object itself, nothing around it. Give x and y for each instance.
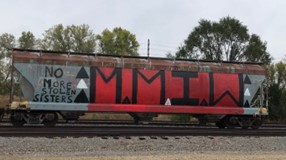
(167, 23)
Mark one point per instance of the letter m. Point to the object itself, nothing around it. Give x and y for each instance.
(148, 90)
(102, 84)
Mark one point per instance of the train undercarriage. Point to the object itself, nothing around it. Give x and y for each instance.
(244, 122)
(19, 118)
(49, 119)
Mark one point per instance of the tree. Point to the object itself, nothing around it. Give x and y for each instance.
(56, 38)
(277, 74)
(118, 42)
(7, 41)
(69, 39)
(277, 90)
(82, 38)
(27, 40)
(256, 50)
(170, 55)
(226, 40)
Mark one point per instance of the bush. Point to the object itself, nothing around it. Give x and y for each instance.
(181, 117)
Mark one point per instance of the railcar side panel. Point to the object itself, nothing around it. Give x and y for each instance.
(110, 86)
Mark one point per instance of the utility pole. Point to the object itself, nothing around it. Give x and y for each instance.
(148, 48)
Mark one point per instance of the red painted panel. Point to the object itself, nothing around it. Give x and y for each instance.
(163, 109)
(105, 91)
(200, 87)
(223, 85)
(126, 85)
(148, 93)
(174, 86)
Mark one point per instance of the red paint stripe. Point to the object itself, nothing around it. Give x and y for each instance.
(163, 109)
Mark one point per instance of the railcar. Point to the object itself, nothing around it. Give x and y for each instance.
(70, 84)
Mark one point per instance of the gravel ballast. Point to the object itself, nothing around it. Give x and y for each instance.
(143, 148)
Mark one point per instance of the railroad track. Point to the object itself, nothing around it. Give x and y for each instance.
(132, 130)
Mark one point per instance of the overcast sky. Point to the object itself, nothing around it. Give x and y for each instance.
(167, 23)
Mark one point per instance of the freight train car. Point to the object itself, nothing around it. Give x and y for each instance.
(70, 84)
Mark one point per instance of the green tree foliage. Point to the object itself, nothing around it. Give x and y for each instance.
(7, 41)
(82, 38)
(69, 39)
(181, 117)
(277, 91)
(27, 40)
(256, 51)
(226, 40)
(271, 73)
(170, 55)
(118, 42)
(4, 78)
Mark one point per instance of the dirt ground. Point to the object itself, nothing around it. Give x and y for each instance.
(4, 100)
(191, 156)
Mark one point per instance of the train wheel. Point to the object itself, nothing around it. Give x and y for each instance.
(220, 124)
(244, 127)
(202, 120)
(71, 116)
(17, 120)
(17, 123)
(141, 118)
(50, 119)
(2, 112)
(230, 122)
(256, 123)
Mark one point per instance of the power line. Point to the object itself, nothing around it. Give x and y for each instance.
(158, 43)
(156, 48)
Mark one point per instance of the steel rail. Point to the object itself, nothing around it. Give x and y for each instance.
(92, 131)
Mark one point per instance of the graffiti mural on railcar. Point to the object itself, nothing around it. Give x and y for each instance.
(79, 84)
(138, 86)
(54, 88)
